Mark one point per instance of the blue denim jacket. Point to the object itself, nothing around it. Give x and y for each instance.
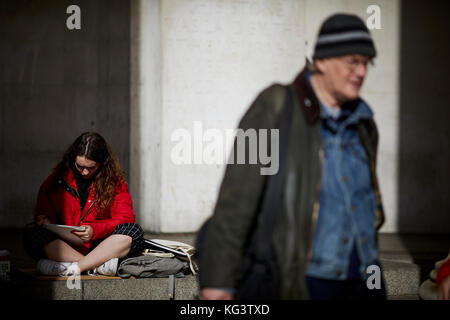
(345, 226)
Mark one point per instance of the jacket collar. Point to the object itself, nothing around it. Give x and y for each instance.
(65, 181)
(306, 97)
(354, 111)
(310, 104)
(69, 176)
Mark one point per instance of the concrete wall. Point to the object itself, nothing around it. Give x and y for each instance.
(146, 113)
(215, 56)
(55, 84)
(203, 62)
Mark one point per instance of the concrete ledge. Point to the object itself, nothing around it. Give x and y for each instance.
(406, 259)
(115, 289)
(402, 278)
(402, 283)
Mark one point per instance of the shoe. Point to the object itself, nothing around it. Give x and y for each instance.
(428, 290)
(72, 270)
(109, 268)
(50, 268)
(53, 268)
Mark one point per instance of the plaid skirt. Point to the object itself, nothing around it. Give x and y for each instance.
(36, 237)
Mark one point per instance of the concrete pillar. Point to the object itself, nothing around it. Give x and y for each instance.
(199, 62)
(146, 113)
(217, 56)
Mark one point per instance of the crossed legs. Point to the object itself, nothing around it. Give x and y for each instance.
(114, 246)
(41, 243)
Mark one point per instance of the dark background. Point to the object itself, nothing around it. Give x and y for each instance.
(424, 117)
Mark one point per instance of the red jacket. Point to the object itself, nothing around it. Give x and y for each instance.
(443, 272)
(58, 201)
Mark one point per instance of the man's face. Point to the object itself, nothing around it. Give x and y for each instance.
(344, 76)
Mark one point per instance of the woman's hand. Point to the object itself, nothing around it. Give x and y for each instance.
(85, 235)
(41, 219)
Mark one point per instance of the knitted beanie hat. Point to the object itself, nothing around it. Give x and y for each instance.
(342, 34)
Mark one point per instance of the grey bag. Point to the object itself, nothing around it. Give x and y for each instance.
(152, 267)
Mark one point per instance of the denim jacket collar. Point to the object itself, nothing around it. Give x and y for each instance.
(354, 111)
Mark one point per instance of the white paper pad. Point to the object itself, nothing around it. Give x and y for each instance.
(65, 232)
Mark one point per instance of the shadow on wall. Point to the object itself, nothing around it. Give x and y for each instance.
(423, 136)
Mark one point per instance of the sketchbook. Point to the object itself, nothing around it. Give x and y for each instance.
(166, 246)
(65, 232)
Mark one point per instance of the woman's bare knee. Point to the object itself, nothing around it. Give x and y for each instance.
(125, 242)
(122, 239)
(118, 243)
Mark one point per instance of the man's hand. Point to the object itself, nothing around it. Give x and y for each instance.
(444, 289)
(85, 235)
(41, 219)
(215, 294)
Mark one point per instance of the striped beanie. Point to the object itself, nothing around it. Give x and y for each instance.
(343, 34)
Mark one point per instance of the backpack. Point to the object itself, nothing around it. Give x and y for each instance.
(150, 266)
(160, 259)
(169, 248)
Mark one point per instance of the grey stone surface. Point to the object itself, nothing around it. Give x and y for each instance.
(138, 289)
(115, 289)
(43, 290)
(60, 291)
(186, 289)
(401, 278)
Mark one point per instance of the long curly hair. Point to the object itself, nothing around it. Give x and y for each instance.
(94, 147)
